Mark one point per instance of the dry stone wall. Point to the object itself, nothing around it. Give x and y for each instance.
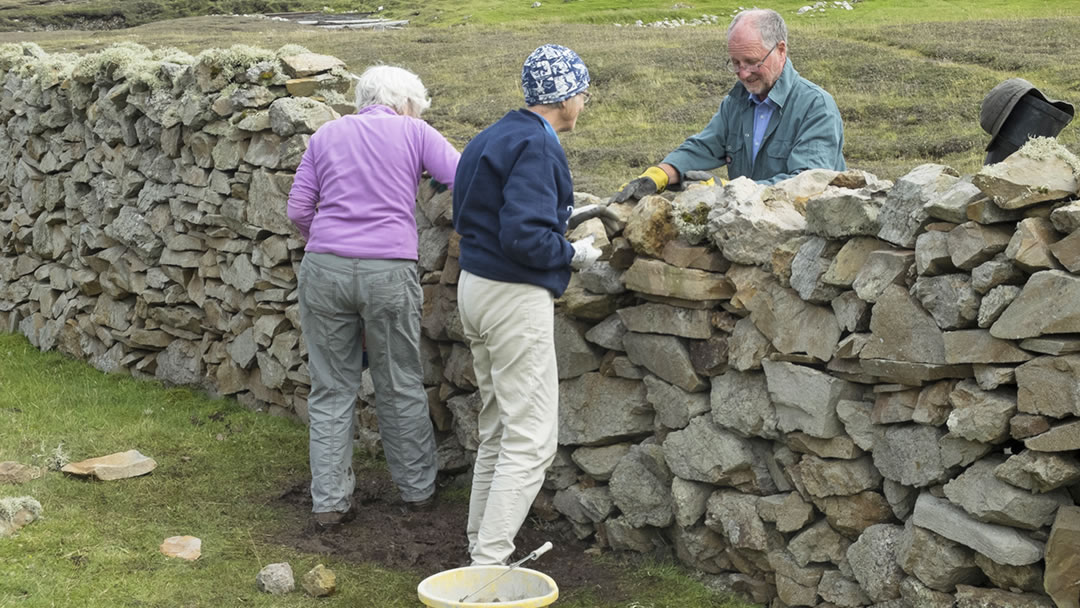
(835, 391)
(142, 214)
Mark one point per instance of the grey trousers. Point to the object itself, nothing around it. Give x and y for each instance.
(342, 300)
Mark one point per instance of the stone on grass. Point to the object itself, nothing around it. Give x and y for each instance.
(120, 465)
(276, 579)
(184, 547)
(320, 581)
(16, 472)
(16, 512)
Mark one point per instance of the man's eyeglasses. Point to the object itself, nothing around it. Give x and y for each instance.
(735, 67)
(585, 97)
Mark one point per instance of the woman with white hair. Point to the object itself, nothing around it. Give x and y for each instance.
(353, 200)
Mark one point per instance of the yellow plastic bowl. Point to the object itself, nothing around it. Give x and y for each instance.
(520, 588)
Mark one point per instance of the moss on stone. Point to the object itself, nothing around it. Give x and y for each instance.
(692, 222)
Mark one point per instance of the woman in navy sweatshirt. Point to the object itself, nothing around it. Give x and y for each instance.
(513, 197)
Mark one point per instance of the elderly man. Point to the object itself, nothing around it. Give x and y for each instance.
(772, 125)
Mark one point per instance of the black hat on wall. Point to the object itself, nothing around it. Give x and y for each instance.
(1000, 103)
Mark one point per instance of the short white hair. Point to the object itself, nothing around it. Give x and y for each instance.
(392, 86)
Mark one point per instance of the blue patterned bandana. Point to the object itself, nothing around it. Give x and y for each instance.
(553, 73)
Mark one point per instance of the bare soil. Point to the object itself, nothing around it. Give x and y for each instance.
(386, 533)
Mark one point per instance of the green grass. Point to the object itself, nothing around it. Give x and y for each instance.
(220, 470)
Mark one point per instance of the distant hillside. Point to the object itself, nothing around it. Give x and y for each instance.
(38, 15)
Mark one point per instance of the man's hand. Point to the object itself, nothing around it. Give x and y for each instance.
(585, 254)
(652, 181)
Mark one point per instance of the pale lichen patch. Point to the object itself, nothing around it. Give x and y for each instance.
(10, 507)
(1044, 148)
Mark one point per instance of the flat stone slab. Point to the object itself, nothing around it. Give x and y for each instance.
(1002, 544)
(184, 547)
(120, 465)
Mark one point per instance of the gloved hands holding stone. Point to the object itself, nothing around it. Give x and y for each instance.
(652, 181)
(703, 177)
(585, 254)
(691, 178)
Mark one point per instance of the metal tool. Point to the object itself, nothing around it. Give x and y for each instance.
(542, 549)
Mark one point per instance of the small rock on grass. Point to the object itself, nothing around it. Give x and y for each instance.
(16, 512)
(15, 472)
(320, 581)
(184, 547)
(276, 579)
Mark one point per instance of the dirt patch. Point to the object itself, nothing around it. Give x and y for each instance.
(386, 533)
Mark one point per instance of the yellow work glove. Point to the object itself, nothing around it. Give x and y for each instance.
(652, 181)
(701, 177)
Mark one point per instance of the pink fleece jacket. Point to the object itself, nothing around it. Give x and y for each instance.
(354, 194)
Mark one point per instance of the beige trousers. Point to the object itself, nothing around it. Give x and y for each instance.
(510, 329)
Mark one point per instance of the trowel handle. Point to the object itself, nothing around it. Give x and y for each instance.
(544, 548)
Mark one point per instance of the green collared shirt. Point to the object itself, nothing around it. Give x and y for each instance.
(805, 132)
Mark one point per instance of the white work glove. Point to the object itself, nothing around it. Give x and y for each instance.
(585, 254)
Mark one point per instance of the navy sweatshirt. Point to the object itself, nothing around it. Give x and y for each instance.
(512, 199)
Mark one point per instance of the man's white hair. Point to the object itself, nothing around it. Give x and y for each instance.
(767, 22)
(392, 86)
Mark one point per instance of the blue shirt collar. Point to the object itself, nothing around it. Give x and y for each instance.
(548, 127)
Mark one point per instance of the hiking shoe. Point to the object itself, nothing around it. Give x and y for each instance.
(332, 519)
(421, 506)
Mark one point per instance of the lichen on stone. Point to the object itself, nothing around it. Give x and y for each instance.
(110, 61)
(290, 49)
(237, 58)
(170, 54)
(692, 222)
(10, 506)
(1043, 148)
(17, 53)
(27, 60)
